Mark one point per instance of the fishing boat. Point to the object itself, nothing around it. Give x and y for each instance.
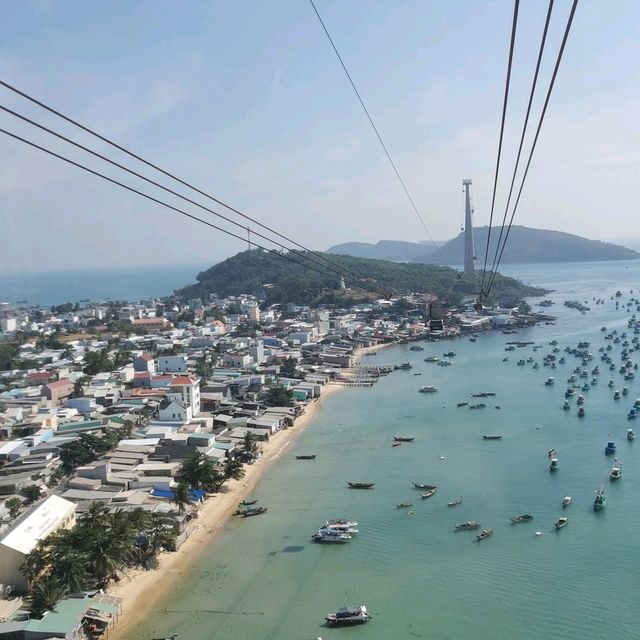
(484, 394)
(428, 494)
(396, 444)
(479, 405)
(467, 526)
(561, 522)
(554, 465)
(428, 389)
(485, 533)
(630, 435)
(361, 485)
(600, 501)
(306, 457)
(492, 437)
(525, 517)
(348, 615)
(551, 453)
(610, 448)
(566, 501)
(431, 359)
(416, 348)
(251, 511)
(453, 503)
(549, 382)
(247, 503)
(331, 537)
(404, 505)
(403, 439)
(420, 485)
(616, 471)
(462, 404)
(581, 412)
(566, 406)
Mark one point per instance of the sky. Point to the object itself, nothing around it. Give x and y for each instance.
(247, 101)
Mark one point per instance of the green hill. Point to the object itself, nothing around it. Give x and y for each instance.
(275, 280)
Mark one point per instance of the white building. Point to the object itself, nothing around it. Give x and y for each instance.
(49, 516)
(172, 364)
(186, 389)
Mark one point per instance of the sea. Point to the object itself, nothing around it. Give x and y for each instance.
(97, 285)
(263, 579)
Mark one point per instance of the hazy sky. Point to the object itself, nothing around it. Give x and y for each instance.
(247, 100)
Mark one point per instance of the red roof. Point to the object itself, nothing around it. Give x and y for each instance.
(146, 356)
(141, 374)
(45, 375)
(182, 380)
(60, 384)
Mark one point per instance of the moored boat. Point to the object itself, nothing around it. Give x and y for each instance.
(341, 521)
(404, 505)
(253, 511)
(554, 465)
(428, 494)
(361, 485)
(306, 457)
(525, 517)
(247, 503)
(610, 448)
(485, 533)
(600, 501)
(467, 526)
(421, 485)
(331, 537)
(561, 522)
(403, 439)
(453, 503)
(630, 435)
(492, 437)
(428, 389)
(566, 501)
(348, 615)
(479, 405)
(616, 471)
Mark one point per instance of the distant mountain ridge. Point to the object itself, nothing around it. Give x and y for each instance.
(525, 245)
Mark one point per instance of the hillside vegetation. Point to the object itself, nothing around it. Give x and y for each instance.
(269, 277)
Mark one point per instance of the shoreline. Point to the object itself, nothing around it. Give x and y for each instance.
(141, 590)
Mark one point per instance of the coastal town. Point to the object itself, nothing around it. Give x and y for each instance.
(121, 422)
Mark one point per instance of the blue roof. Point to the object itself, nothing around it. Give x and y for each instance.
(194, 494)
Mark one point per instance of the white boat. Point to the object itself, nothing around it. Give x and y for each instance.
(348, 615)
(331, 537)
(428, 389)
(554, 465)
(340, 528)
(566, 501)
(616, 471)
(561, 522)
(340, 521)
(549, 382)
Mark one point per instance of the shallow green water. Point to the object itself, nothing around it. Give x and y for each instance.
(264, 579)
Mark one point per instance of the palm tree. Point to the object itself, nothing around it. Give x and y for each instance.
(233, 469)
(182, 496)
(70, 572)
(199, 471)
(45, 595)
(249, 442)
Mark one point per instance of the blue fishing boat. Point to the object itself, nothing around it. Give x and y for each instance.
(610, 448)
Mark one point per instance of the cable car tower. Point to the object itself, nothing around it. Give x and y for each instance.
(469, 250)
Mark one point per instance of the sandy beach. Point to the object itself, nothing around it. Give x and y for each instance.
(141, 590)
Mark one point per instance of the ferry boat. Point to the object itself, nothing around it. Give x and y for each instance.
(616, 471)
(467, 526)
(348, 615)
(331, 537)
(561, 522)
(428, 389)
(610, 448)
(600, 501)
(554, 465)
(630, 435)
(566, 501)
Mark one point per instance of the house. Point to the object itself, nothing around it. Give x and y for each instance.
(187, 389)
(151, 325)
(46, 517)
(58, 391)
(173, 410)
(144, 362)
(172, 364)
(38, 378)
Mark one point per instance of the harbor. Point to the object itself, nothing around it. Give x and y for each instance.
(264, 578)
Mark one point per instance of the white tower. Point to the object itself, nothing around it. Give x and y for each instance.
(469, 250)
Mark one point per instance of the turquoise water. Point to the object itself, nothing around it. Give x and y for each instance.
(263, 578)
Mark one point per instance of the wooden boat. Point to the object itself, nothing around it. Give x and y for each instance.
(492, 437)
(420, 485)
(396, 444)
(453, 503)
(523, 518)
(485, 533)
(403, 439)
(306, 457)
(428, 494)
(483, 394)
(561, 522)
(462, 404)
(248, 503)
(479, 405)
(360, 485)
(253, 512)
(404, 505)
(467, 526)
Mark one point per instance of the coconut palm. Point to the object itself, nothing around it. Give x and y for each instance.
(233, 469)
(199, 471)
(45, 595)
(181, 496)
(70, 572)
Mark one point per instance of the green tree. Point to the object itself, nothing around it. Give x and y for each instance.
(249, 442)
(97, 362)
(70, 572)
(46, 593)
(200, 472)
(31, 493)
(288, 368)
(233, 469)
(14, 505)
(181, 496)
(278, 396)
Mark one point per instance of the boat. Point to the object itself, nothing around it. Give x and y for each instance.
(467, 526)
(404, 505)
(484, 394)
(172, 637)
(251, 511)
(396, 444)
(403, 439)
(525, 517)
(610, 448)
(416, 348)
(551, 453)
(453, 503)
(616, 471)
(600, 501)
(247, 503)
(431, 359)
(549, 382)
(404, 366)
(443, 363)
(341, 521)
(428, 494)
(630, 435)
(561, 522)
(340, 528)
(462, 404)
(492, 437)
(581, 412)
(428, 389)
(360, 485)
(331, 537)
(449, 354)
(479, 405)
(616, 395)
(566, 406)
(306, 457)
(566, 501)
(348, 615)
(485, 533)
(554, 464)
(420, 485)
